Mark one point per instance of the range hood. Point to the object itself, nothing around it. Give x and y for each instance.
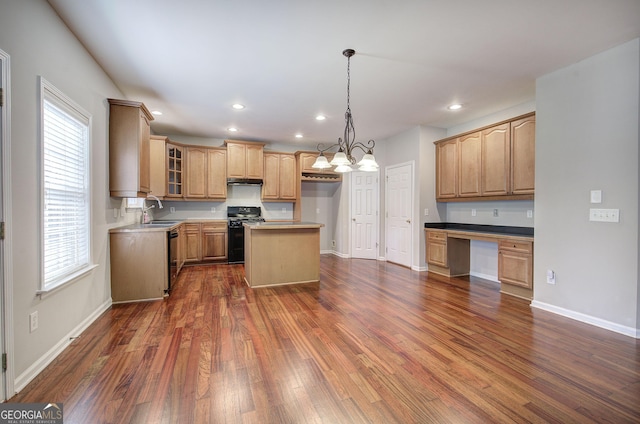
(244, 181)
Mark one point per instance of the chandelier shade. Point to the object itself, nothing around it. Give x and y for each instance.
(343, 160)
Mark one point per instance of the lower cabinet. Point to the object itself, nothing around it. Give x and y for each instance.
(515, 263)
(448, 254)
(205, 241)
(214, 241)
(139, 265)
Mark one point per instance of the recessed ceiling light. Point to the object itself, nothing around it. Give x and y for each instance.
(320, 118)
(298, 135)
(156, 112)
(237, 106)
(455, 106)
(232, 129)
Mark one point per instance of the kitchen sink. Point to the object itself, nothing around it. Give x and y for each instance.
(163, 223)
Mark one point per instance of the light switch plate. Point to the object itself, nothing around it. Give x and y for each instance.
(596, 196)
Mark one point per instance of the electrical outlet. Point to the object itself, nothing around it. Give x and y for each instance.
(116, 212)
(333, 243)
(213, 209)
(495, 212)
(33, 321)
(426, 212)
(529, 213)
(473, 212)
(172, 209)
(317, 210)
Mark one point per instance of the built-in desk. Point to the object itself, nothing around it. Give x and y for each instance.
(448, 253)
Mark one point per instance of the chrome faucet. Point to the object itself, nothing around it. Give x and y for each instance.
(156, 199)
(144, 218)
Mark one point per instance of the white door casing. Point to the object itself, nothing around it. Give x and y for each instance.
(364, 214)
(399, 213)
(6, 290)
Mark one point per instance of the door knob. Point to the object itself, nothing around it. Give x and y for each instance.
(408, 221)
(353, 219)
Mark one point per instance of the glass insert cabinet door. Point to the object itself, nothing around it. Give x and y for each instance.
(174, 170)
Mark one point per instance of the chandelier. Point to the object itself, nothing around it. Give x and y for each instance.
(343, 160)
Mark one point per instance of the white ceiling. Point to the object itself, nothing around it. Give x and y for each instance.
(192, 59)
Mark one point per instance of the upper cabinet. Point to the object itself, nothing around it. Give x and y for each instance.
(491, 163)
(523, 153)
(495, 160)
(245, 159)
(175, 170)
(279, 177)
(447, 169)
(158, 153)
(206, 173)
(469, 154)
(129, 149)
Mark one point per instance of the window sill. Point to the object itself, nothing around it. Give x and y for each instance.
(66, 282)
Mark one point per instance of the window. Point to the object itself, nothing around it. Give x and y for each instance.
(65, 201)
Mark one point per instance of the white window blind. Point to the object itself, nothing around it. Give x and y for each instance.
(65, 189)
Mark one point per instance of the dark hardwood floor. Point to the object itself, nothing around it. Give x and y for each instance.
(372, 342)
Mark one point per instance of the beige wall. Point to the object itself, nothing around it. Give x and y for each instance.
(39, 44)
(587, 139)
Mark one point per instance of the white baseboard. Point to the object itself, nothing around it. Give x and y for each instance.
(485, 276)
(588, 319)
(338, 254)
(37, 367)
(419, 268)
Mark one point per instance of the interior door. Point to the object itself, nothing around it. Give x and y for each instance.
(364, 215)
(399, 213)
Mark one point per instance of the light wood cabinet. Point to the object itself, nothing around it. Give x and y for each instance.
(206, 173)
(523, 155)
(447, 256)
(309, 173)
(214, 241)
(193, 251)
(139, 265)
(515, 263)
(216, 173)
(279, 177)
(245, 159)
(205, 241)
(493, 163)
(447, 169)
(158, 170)
(469, 156)
(129, 149)
(196, 170)
(496, 142)
(437, 248)
(175, 171)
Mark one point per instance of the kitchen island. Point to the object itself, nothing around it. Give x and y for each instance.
(277, 253)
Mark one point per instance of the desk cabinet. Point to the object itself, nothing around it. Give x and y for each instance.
(515, 263)
(448, 254)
